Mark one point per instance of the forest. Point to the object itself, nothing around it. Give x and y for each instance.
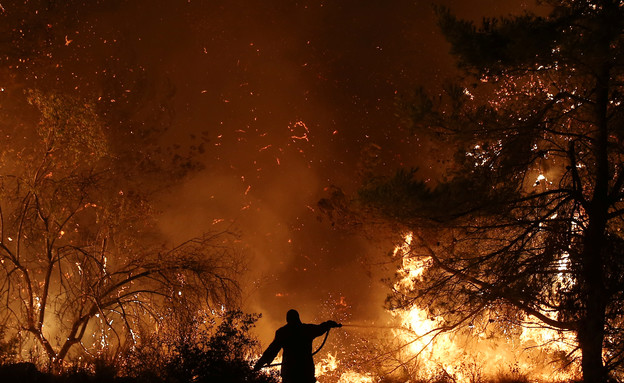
(504, 206)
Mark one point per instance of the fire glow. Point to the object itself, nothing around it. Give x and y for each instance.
(476, 352)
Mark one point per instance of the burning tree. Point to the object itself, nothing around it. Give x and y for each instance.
(83, 264)
(525, 222)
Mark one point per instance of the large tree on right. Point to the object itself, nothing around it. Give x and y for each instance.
(528, 211)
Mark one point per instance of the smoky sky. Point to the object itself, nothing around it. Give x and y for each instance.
(279, 99)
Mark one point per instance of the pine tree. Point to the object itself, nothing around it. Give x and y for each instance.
(529, 212)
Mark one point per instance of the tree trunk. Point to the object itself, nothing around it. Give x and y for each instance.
(594, 292)
(591, 330)
(591, 337)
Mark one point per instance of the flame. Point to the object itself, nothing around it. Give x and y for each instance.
(326, 365)
(409, 347)
(330, 364)
(462, 357)
(355, 377)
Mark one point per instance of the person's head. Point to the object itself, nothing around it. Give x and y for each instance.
(292, 317)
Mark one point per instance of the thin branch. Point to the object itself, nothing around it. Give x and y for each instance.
(496, 292)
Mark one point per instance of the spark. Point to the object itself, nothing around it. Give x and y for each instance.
(540, 178)
(299, 124)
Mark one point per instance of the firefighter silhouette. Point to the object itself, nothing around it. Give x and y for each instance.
(295, 338)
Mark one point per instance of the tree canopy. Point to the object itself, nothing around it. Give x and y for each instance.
(527, 212)
(83, 265)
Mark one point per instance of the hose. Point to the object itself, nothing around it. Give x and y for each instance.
(314, 353)
(322, 344)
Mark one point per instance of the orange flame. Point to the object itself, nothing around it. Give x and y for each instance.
(461, 356)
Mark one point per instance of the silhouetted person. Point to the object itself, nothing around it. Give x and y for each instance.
(296, 340)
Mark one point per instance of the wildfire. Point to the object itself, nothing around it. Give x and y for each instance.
(331, 363)
(464, 355)
(355, 377)
(326, 365)
(415, 348)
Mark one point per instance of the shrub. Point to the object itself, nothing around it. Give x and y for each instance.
(197, 350)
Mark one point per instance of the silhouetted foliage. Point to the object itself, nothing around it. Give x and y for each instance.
(191, 347)
(197, 349)
(23, 372)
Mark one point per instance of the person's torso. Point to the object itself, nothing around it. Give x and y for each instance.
(297, 349)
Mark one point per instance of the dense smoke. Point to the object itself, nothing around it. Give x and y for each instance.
(275, 101)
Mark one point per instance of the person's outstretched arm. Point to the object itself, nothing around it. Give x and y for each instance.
(322, 328)
(269, 354)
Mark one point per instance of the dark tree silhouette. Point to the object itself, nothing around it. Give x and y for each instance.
(527, 213)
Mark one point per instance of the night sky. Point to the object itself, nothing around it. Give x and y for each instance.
(276, 99)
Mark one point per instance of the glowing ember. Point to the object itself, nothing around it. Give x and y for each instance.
(299, 131)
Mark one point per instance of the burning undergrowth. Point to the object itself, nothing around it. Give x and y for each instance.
(413, 344)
